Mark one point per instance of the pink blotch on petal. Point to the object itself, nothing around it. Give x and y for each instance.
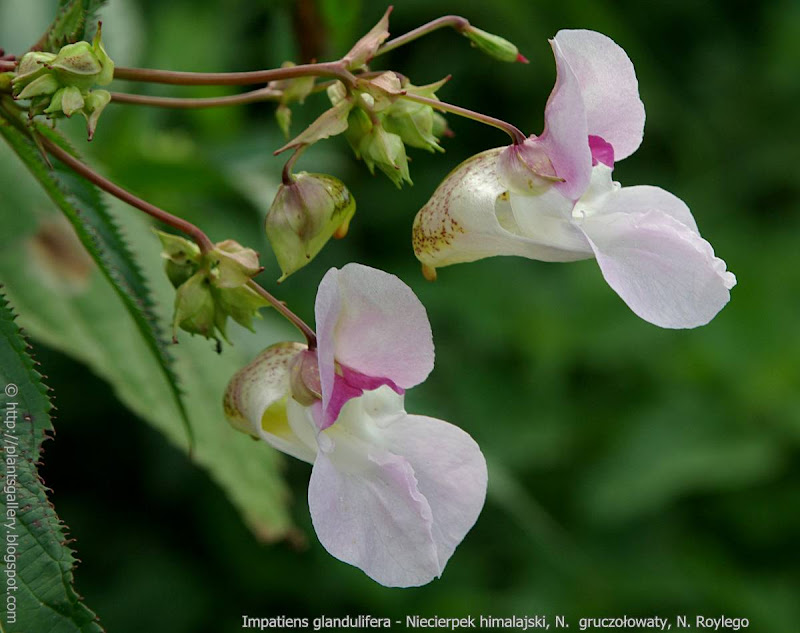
(602, 152)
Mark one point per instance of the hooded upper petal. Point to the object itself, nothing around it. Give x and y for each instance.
(565, 138)
(373, 323)
(608, 85)
(469, 217)
(665, 272)
(394, 494)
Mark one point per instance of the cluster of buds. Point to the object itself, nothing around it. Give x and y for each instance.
(307, 211)
(62, 84)
(212, 286)
(382, 122)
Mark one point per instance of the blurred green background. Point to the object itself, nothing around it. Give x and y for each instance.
(633, 470)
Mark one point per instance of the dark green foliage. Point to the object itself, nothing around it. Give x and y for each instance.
(46, 599)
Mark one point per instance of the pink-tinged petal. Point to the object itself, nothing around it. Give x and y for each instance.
(451, 474)
(565, 136)
(647, 198)
(469, 217)
(373, 323)
(665, 272)
(374, 518)
(607, 79)
(395, 494)
(327, 309)
(602, 151)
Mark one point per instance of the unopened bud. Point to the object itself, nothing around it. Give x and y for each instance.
(493, 45)
(358, 126)
(365, 48)
(182, 257)
(304, 215)
(413, 123)
(386, 151)
(233, 264)
(194, 306)
(526, 168)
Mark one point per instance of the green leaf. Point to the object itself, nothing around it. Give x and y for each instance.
(43, 570)
(74, 21)
(83, 206)
(85, 320)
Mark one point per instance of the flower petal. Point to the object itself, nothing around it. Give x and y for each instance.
(394, 494)
(609, 87)
(663, 269)
(469, 218)
(372, 322)
(256, 397)
(565, 138)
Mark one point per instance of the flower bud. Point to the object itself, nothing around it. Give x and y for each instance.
(94, 104)
(194, 306)
(526, 168)
(182, 257)
(365, 48)
(42, 85)
(440, 127)
(32, 66)
(304, 215)
(386, 150)
(292, 90)
(413, 123)
(358, 126)
(6, 80)
(241, 304)
(233, 264)
(493, 45)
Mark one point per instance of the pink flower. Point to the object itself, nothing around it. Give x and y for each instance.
(390, 493)
(552, 198)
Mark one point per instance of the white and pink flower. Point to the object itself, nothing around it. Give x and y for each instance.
(552, 197)
(390, 493)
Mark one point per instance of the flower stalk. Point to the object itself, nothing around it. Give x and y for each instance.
(193, 231)
(515, 133)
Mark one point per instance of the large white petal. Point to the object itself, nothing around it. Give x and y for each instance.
(394, 494)
(609, 87)
(469, 218)
(256, 398)
(663, 269)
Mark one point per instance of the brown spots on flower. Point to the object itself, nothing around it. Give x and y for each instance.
(268, 371)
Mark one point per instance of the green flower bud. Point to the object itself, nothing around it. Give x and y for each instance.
(94, 104)
(182, 257)
(440, 127)
(358, 126)
(32, 66)
(493, 45)
(241, 304)
(84, 65)
(43, 85)
(233, 264)
(412, 122)
(304, 215)
(211, 287)
(386, 150)
(194, 306)
(6, 81)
